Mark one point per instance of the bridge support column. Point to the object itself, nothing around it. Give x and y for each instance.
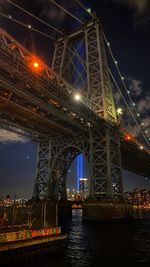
(102, 211)
(42, 172)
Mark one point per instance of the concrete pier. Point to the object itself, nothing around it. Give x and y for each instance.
(102, 211)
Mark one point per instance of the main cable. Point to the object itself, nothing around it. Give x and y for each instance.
(26, 26)
(69, 13)
(30, 14)
(128, 107)
(122, 79)
(79, 3)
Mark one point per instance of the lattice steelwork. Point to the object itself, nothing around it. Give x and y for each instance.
(54, 159)
(42, 105)
(42, 176)
(104, 159)
(99, 86)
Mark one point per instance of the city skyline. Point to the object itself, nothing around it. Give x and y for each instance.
(22, 163)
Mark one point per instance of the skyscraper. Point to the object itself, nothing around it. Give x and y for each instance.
(83, 188)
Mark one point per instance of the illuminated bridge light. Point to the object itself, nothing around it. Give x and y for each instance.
(141, 147)
(35, 64)
(77, 97)
(89, 10)
(119, 111)
(127, 137)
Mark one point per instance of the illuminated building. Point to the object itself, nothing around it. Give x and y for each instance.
(83, 188)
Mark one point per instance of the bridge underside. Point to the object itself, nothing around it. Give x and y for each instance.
(57, 153)
(43, 104)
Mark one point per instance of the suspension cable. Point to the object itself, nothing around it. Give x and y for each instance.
(122, 79)
(66, 11)
(79, 3)
(26, 26)
(27, 12)
(128, 107)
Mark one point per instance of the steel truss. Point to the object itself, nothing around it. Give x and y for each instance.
(56, 156)
(104, 145)
(93, 133)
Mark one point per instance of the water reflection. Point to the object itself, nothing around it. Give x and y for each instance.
(100, 244)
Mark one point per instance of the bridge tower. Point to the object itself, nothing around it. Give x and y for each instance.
(101, 147)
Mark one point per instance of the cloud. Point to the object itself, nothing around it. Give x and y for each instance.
(11, 137)
(117, 97)
(143, 105)
(135, 86)
(141, 9)
(51, 11)
(139, 6)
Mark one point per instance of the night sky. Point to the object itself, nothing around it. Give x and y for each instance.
(127, 27)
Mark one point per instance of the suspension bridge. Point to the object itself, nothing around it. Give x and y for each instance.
(69, 109)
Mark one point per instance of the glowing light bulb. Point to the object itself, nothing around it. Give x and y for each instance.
(89, 10)
(141, 147)
(36, 64)
(119, 111)
(77, 97)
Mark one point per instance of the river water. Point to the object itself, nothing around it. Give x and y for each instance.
(101, 244)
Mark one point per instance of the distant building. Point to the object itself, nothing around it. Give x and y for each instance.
(83, 188)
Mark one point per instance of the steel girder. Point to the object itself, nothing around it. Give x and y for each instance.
(104, 145)
(99, 85)
(42, 171)
(98, 147)
(54, 158)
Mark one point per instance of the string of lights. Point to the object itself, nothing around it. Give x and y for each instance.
(88, 10)
(128, 107)
(30, 14)
(28, 26)
(127, 91)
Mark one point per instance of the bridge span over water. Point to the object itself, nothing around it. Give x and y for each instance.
(38, 101)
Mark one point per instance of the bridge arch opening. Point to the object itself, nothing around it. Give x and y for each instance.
(64, 173)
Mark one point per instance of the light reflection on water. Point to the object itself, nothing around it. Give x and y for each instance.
(99, 244)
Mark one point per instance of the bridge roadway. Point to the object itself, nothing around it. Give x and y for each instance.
(41, 104)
